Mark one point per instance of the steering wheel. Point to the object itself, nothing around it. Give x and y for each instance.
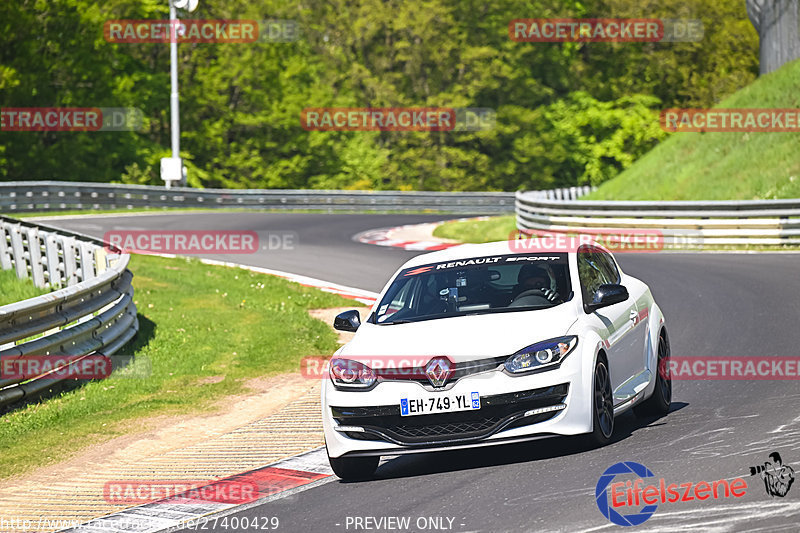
(531, 292)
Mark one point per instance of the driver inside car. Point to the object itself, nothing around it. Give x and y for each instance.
(533, 278)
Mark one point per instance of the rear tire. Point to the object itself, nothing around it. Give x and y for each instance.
(658, 403)
(602, 406)
(354, 468)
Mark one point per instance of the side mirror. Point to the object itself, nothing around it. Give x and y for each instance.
(607, 294)
(348, 321)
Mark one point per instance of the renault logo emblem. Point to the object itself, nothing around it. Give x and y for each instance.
(439, 370)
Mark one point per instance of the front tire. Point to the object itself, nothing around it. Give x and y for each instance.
(658, 403)
(354, 468)
(602, 406)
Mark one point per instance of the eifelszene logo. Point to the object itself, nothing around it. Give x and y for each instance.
(629, 495)
(778, 477)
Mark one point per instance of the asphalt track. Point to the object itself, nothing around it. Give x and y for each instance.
(715, 304)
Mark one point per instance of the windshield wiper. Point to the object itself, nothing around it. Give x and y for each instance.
(401, 321)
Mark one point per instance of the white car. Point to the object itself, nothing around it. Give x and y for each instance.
(480, 345)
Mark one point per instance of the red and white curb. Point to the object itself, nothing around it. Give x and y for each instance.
(278, 480)
(403, 236)
(381, 237)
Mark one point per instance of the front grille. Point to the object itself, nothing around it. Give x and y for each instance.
(497, 412)
(446, 429)
(460, 370)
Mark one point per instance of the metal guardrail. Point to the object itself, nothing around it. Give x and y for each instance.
(682, 224)
(90, 312)
(21, 197)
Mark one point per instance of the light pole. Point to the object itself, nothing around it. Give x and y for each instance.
(172, 167)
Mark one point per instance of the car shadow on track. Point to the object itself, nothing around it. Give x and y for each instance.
(526, 452)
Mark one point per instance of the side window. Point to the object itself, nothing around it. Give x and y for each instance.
(595, 268)
(588, 274)
(607, 266)
(404, 298)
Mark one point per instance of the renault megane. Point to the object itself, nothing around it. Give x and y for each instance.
(477, 345)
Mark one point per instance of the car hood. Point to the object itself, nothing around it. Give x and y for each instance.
(464, 338)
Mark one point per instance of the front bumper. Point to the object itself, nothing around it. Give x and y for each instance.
(497, 412)
(513, 408)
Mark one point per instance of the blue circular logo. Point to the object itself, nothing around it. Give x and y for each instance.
(601, 494)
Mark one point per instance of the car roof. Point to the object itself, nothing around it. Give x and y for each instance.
(466, 251)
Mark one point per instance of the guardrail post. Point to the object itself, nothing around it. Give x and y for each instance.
(5, 255)
(35, 255)
(70, 263)
(100, 260)
(18, 252)
(87, 260)
(51, 261)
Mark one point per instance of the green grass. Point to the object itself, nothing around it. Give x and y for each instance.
(476, 231)
(13, 289)
(721, 166)
(205, 330)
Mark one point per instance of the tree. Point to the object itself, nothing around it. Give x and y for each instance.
(776, 23)
(567, 113)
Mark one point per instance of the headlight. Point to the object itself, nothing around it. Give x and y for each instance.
(541, 355)
(347, 373)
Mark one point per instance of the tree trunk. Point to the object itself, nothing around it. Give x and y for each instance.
(776, 22)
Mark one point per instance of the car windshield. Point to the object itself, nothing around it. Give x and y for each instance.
(491, 284)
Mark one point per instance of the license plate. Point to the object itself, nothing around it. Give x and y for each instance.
(440, 404)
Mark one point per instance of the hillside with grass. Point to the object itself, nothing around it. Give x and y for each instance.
(721, 166)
